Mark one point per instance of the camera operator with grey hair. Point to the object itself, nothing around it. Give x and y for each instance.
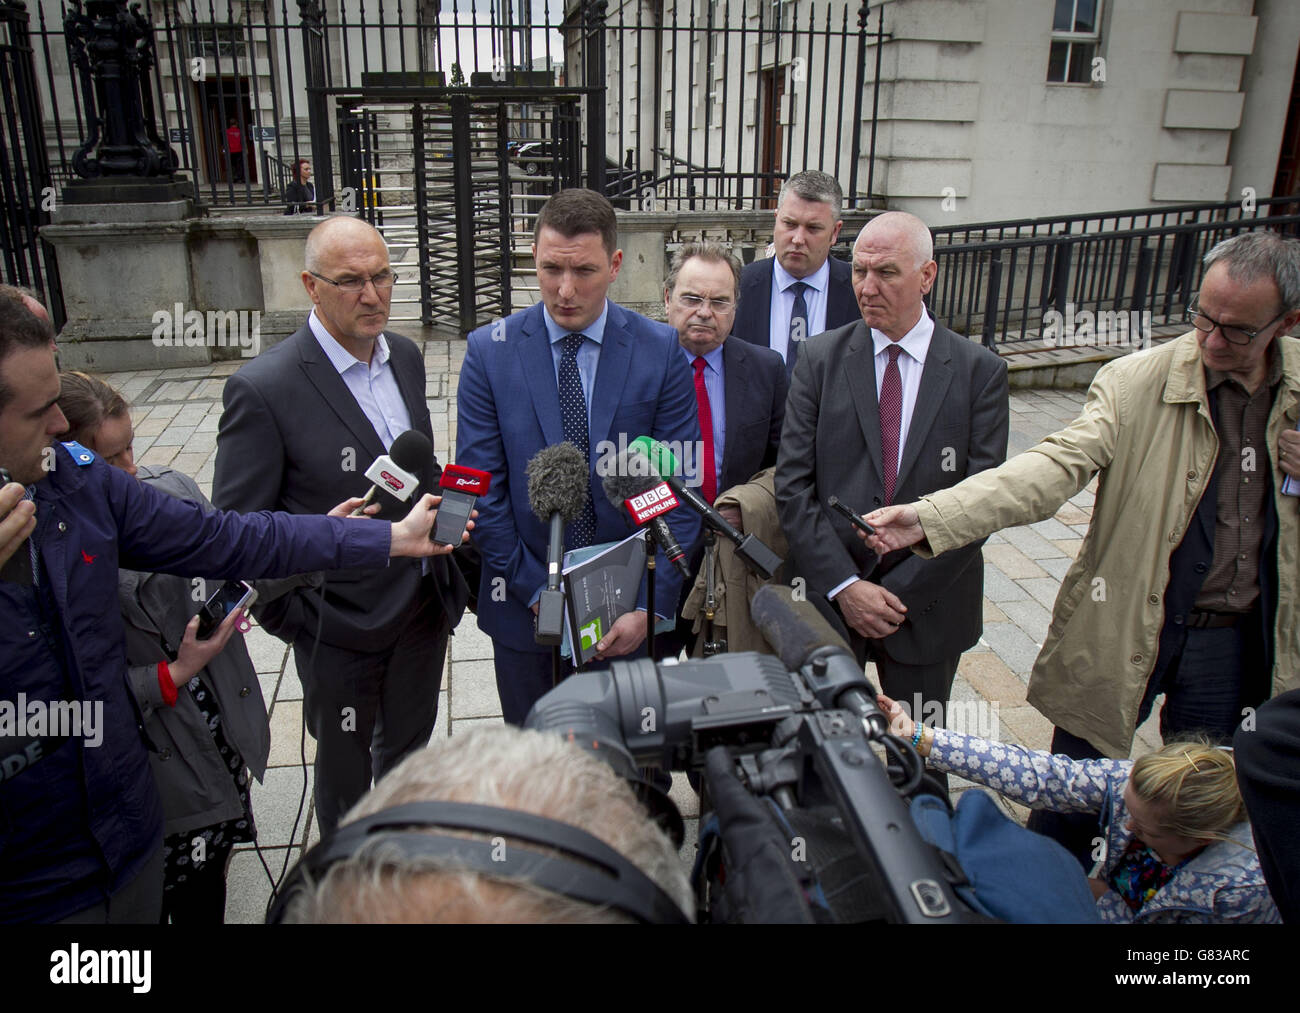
(523, 771)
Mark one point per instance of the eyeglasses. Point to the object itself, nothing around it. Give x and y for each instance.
(382, 281)
(694, 302)
(1233, 335)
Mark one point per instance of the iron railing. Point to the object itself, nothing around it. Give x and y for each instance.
(1004, 286)
(657, 80)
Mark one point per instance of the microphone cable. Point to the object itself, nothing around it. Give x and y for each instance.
(277, 882)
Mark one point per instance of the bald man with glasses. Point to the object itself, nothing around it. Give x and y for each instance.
(302, 423)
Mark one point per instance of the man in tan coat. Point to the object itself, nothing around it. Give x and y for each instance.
(1187, 581)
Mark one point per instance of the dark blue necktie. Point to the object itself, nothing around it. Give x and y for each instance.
(573, 410)
(798, 326)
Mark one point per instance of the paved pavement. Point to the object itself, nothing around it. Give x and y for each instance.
(176, 411)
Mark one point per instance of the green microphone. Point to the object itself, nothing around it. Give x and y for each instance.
(757, 556)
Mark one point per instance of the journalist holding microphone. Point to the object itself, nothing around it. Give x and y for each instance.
(81, 822)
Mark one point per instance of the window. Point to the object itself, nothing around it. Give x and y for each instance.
(1076, 34)
(222, 42)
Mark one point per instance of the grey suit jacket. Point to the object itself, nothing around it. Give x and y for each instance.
(292, 437)
(830, 446)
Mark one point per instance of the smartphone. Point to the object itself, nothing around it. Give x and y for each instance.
(851, 516)
(233, 594)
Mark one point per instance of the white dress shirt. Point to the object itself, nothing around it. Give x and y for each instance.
(915, 346)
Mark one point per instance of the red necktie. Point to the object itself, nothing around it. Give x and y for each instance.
(891, 420)
(709, 487)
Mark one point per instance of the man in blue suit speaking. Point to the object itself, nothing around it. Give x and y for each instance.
(578, 368)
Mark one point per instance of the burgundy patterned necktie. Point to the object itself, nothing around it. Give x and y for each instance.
(891, 420)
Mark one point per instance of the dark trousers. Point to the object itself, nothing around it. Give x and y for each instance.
(523, 678)
(1268, 771)
(136, 903)
(902, 683)
(368, 710)
(1206, 685)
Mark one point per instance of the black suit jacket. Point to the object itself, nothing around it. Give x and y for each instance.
(292, 437)
(830, 446)
(756, 387)
(754, 314)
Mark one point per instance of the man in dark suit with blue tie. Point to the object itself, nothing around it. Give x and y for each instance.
(740, 388)
(578, 368)
(802, 290)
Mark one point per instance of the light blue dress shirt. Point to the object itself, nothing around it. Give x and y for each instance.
(588, 352)
(814, 298)
(374, 385)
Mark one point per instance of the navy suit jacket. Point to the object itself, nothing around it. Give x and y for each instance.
(756, 387)
(508, 408)
(754, 314)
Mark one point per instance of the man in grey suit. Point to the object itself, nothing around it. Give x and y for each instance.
(802, 290)
(302, 423)
(884, 410)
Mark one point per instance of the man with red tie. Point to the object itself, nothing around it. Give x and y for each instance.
(740, 388)
(884, 410)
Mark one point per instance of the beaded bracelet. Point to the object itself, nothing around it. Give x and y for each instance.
(917, 733)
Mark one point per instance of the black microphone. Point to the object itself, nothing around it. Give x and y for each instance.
(757, 556)
(558, 489)
(806, 643)
(395, 476)
(624, 487)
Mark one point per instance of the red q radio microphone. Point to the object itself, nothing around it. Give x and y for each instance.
(460, 487)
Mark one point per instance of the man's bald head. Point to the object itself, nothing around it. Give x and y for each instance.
(344, 254)
(900, 228)
(335, 234)
(893, 269)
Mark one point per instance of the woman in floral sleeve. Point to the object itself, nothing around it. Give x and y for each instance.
(1176, 842)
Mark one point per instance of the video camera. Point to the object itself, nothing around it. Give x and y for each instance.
(803, 815)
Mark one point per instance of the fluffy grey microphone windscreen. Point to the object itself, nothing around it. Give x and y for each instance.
(557, 482)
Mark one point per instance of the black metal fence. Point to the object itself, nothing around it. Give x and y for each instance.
(25, 177)
(239, 85)
(1001, 278)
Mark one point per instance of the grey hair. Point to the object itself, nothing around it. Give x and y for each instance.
(322, 236)
(708, 250)
(1249, 256)
(502, 766)
(814, 186)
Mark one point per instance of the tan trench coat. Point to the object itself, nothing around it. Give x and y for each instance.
(1146, 431)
